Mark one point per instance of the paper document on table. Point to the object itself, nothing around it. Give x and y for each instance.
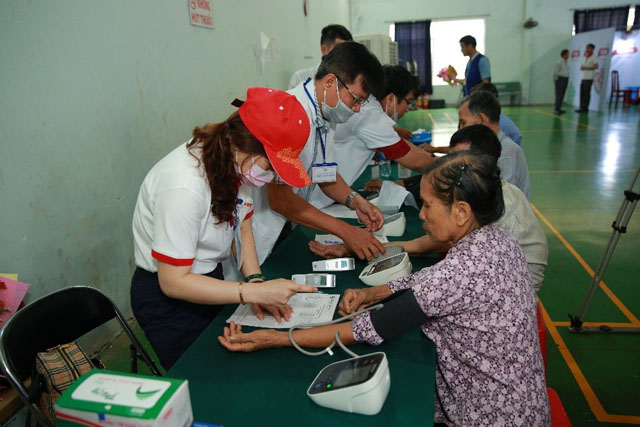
(307, 308)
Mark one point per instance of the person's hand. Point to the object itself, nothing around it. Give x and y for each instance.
(329, 251)
(354, 300)
(274, 292)
(373, 185)
(279, 312)
(368, 213)
(361, 242)
(235, 340)
(404, 133)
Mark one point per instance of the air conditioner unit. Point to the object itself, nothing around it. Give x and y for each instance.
(381, 46)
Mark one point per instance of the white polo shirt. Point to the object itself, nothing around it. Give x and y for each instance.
(172, 221)
(267, 224)
(356, 141)
(588, 62)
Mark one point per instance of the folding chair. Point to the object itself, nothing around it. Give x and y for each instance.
(57, 318)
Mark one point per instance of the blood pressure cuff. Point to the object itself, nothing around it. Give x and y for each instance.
(400, 313)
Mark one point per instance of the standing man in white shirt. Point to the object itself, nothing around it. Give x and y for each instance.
(561, 79)
(589, 65)
(330, 37)
(345, 79)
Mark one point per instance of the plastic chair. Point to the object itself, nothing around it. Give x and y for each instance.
(57, 318)
(615, 88)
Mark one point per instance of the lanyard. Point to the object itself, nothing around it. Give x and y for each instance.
(319, 121)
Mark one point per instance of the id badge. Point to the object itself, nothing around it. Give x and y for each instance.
(324, 172)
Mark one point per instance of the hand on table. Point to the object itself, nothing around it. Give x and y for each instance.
(329, 251)
(235, 340)
(279, 312)
(354, 300)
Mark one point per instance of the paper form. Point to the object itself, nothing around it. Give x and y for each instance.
(307, 308)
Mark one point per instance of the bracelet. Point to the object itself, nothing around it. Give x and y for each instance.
(240, 293)
(255, 276)
(350, 198)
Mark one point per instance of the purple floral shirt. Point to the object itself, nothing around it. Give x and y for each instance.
(482, 312)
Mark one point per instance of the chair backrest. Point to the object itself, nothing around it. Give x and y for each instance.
(57, 318)
(615, 82)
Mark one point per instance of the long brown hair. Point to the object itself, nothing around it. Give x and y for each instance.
(215, 141)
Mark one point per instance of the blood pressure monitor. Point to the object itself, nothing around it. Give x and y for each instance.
(337, 264)
(394, 225)
(358, 385)
(381, 272)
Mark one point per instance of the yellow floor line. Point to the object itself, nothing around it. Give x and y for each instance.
(450, 119)
(589, 270)
(596, 324)
(595, 405)
(435, 125)
(579, 171)
(565, 120)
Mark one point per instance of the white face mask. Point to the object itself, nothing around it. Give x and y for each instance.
(394, 116)
(255, 176)
(338, 114)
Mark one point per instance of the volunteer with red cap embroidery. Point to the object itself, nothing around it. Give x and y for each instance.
(194, 209)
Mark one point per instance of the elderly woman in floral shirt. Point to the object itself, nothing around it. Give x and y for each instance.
(477, 305)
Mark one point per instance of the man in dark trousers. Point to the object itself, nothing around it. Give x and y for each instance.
(561, 79)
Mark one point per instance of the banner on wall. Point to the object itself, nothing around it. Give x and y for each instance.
(603, 41)
(626, 59)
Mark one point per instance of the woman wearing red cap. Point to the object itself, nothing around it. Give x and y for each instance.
(194, 209)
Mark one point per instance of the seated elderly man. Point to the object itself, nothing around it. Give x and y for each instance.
(518, 217)
(506, 124)
(482, 108)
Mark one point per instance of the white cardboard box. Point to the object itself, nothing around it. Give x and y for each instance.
(121, 399)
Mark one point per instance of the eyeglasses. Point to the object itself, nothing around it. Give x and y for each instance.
(411, 103)
(356, 101)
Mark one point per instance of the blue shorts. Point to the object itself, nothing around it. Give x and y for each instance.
(171, 325)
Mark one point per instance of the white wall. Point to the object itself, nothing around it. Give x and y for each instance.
(93, 93)
(516, 53)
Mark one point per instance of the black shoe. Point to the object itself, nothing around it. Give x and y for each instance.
(580, 111)
(557, 112)
(561, 111)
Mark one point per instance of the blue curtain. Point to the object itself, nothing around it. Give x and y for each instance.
(636, 20)
(596, 19)
(414, 44)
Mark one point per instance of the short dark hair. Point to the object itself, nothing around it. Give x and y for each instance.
(591, 45)
(349, 60)
(481, 101)
(332, 32)
(468, 40)
(489, 87)
(564, 51)
(398, 81)
(480, 138)
(468, 177)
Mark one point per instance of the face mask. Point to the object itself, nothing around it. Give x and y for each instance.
(255, 176)
(394, 116)
(338, 114)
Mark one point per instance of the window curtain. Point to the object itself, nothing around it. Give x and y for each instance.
(596, 19)
(636, 20)
(414, 44)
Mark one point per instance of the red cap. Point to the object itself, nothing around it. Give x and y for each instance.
(281, 124)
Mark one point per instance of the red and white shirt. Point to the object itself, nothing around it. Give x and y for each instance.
(172, 221)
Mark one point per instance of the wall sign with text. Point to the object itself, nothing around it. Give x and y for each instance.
(201, 13)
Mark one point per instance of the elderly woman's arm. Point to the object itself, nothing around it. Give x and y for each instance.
(236, 340)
